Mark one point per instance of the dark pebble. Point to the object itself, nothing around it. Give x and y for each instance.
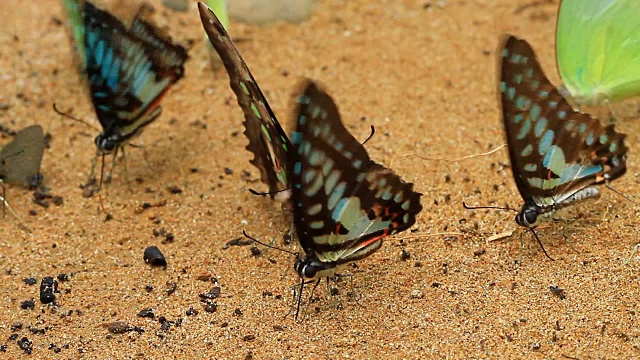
(237, 242)
(278, 328)
(30, 280)
(228, 171)
(33, 212)
(16, 326)
(249, 337)
(174, 189)
(212, 294)
(237, 312)
(479, 252)
(13, 337)
(255, 251)
(210, 307)
(57, 200)
(147, 313)
(558, 291)
(63, 277)
(28, 305)
(148, 288)
(3, 348)
(171, 288)
(153, 256)
(36, 331)
(48, 286)
(192, 312)
(168, 238)
(405, 255)
(25, 345)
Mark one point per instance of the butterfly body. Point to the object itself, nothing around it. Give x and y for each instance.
(558, 155)
(267, 140)
(128, 70)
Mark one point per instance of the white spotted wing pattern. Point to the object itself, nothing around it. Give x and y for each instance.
(557, 154)
(344, 204)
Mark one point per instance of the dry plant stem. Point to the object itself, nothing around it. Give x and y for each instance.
(458, 159)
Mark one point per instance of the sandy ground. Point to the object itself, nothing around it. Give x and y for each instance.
(424, 76)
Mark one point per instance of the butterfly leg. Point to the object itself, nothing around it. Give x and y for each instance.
(144, 155)
(533, 232)
(333, 291)
(3, 197)
(311, 295)
(126, 170)
(90, 187)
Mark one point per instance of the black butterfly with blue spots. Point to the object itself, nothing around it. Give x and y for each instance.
(344, 204)
(129, 70)
(557, 154)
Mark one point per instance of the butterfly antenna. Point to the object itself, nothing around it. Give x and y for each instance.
(540, 243)
(267, 245)
(487, 207)
(373, 131)
(69, 116)
(267, 192)
(621, 194)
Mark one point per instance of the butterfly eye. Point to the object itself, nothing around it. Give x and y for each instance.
(105, 145)
(528, 216)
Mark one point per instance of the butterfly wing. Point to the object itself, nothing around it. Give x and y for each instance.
(554, 150)
(267, 141)
(598, 49)
(76, 27)
(20, 159)
(128, 74)
(344, 204)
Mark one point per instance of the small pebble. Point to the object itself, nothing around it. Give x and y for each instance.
(48, 286)
(25, 345)
(30, 280)
(255, 251)
(118, 327)
(147, 313)
(28, 305)
(153, 256)
(212, 294)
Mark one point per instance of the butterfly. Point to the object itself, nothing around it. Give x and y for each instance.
(344, 204)
(557, 154)
(267, 140)
(128, 70)
(21, 158)
(598, 49)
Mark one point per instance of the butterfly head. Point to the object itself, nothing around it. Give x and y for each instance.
(528, 215)
(309, 268)
(108, 143)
